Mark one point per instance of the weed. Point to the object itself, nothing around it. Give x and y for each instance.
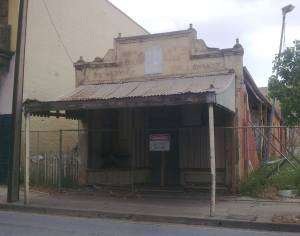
(257, 182)
(254, 183)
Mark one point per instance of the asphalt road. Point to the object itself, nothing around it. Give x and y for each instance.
(23, 224)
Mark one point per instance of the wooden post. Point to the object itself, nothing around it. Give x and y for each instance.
(261, 123)
(27, 158)
(133, 153)
(132, 158)
(162, 171)
(269, 134)
(212, 158)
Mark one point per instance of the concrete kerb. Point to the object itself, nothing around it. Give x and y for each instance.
(213, 222)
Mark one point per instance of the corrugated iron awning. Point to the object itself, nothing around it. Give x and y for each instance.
(214, 88)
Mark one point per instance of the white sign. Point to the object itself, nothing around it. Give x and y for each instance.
(159, 142)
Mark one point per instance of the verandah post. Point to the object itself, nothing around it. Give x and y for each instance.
(212, 158)
(133, 143)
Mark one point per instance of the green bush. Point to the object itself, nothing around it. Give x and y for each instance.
(283, 179)
(254, 183)
(257, 181)
(297, 181)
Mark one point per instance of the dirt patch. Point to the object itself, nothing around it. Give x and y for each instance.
(242, 217)
(269, 193)
(286, 219)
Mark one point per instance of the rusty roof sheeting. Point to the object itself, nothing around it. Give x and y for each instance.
(157, 87)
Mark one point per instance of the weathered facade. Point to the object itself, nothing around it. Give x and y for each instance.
(161, 85)
(8, 25)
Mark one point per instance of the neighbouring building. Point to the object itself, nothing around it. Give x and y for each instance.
(58, 32)
(8, 35)
(144, 106)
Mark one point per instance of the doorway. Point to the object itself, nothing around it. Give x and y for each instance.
(5, 135)
(165, 165)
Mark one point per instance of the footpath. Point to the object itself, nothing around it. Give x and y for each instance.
(179, 208)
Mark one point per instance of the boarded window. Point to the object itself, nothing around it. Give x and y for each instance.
(153, 60)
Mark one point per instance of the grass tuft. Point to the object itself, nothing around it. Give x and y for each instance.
(257, 182)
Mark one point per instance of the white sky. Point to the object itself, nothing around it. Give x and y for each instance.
(257, 23)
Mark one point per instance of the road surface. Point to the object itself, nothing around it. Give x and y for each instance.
(23, 224)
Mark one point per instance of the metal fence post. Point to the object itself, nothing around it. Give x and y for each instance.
(60, 163)
(27, 158)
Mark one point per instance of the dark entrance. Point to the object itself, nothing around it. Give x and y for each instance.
(165, 120)
(5, 134)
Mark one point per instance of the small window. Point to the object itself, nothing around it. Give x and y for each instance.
(153, 60)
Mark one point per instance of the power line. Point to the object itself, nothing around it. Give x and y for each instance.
(57, 32)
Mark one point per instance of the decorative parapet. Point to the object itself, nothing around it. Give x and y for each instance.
(156, 55)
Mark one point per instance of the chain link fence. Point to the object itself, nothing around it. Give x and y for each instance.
(55, 156)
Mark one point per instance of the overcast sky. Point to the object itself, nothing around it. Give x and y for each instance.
(257, 23)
